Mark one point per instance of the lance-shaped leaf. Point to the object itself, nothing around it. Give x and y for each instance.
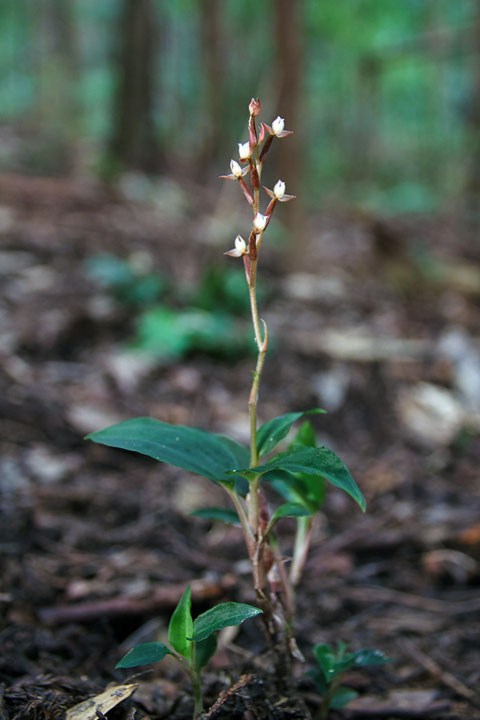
(327, 660)
(195, 450)
(144, 655)
(181, 625)
(221, 616)
(314, 461)
(226, 515)
(305, 435)
(204, 651)
(308, 490)
(290, 509)
(270, 434)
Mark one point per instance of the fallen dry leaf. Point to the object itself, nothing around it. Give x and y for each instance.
(102, 703)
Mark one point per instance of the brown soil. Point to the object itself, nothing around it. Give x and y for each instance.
(97, 544)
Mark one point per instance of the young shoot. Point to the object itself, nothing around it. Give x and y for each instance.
(192, 642)
(331, 667)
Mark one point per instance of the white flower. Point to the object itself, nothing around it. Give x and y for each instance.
(239, 249)
(240, 245)
(235, 168)
(279, 190)
(244, 150)
(259, 222)
(278, 125)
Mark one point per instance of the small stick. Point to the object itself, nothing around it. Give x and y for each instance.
(432, 667)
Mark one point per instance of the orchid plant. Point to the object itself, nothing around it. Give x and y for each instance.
(298, 473)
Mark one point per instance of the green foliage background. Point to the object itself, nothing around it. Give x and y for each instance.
(385, 99)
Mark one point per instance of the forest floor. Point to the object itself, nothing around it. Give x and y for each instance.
(380, 325)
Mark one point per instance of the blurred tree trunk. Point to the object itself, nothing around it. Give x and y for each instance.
(57, 69)
(288, 84)
(211, 26)
(363, 133)
(133, 142)
(473, 180)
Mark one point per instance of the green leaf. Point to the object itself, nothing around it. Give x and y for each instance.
(222, 616)
(290, 509)
(314, 461)
(326, 659)
(368, 658)
(305, 436)
(270, 434)
(317, 677)
(204, 651)
(315, 487)
(181, 625)
(344, 663)
(226, 515)
(308, 490)
(342, 697)
(144, 655)
(188, 448)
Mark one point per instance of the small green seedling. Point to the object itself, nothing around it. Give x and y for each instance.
(192, 642)
(331, 667)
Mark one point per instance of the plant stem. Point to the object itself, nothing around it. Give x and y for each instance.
(197, 695)
(301, 546)
(196, 685)
(325, 707)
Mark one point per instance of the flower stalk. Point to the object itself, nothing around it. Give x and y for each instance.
(267, 566)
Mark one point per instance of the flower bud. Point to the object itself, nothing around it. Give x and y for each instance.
(240, 245)
(279, 189)
(254, 106)
(244, 150)
(278, 125)
(259, 222)
(235, 168)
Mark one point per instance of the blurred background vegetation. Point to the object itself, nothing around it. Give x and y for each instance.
(384, 95)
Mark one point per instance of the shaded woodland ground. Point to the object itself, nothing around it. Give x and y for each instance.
(97, 544)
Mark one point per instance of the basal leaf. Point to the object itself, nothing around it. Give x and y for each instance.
(181, 625)
(342, 697)
(270, 434)
(204, 651)
(144, 655)
(290, 509)
(226, 515)
(317, 677)
(314, 461)
(326, 659)
(188, 448)
(222, 616)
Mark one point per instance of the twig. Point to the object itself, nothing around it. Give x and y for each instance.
(379, 594)
(225, 695)
(388, 710)
(114, 607)
(432, 667)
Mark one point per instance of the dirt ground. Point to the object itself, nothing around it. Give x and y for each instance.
(374, 319)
